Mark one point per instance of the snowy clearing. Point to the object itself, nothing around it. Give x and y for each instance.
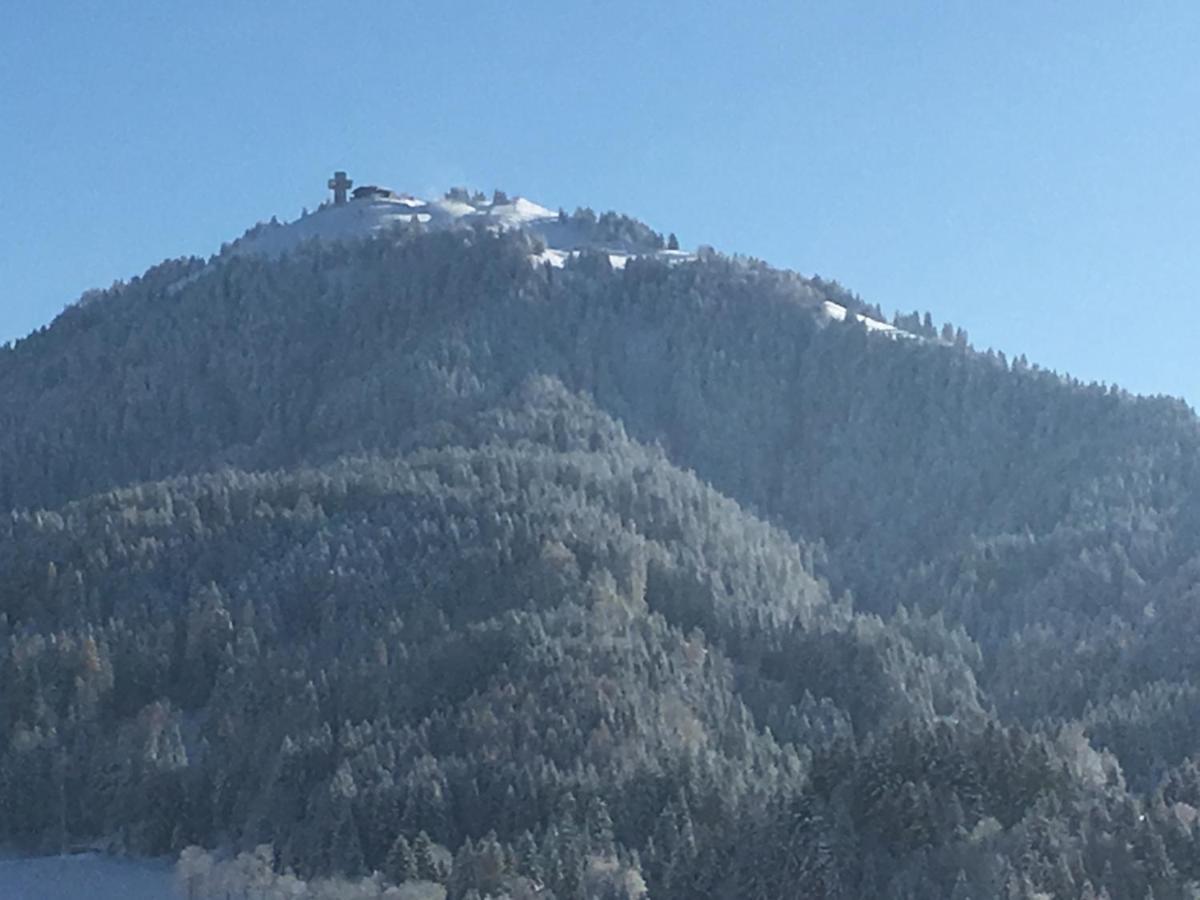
(91, 875)
(837, 312)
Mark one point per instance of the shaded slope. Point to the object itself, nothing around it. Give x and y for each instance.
(408, 572)
(509, 622)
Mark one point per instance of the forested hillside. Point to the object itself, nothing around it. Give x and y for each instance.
(406, 555)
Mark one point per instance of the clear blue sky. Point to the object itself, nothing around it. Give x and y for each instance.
(1027, 170)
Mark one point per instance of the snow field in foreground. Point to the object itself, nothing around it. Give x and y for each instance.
(91, 876)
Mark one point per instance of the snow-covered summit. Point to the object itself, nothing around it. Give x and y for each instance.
(368, 216)
(380, 210)
(372, 211)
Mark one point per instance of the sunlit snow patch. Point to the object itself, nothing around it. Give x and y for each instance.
(838, 313)
(369, 216)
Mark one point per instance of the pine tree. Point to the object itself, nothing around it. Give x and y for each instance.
(345, 852)
(401, 863)
(490, 863)
(529, 862)
(463, 872)
(600, 828)
(427, 867)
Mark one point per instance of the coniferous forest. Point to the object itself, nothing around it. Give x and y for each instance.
(407, 562)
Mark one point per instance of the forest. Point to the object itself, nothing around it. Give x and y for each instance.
(405, 565)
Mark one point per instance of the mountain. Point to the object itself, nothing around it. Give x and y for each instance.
(499, 548)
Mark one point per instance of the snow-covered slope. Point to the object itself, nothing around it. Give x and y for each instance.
(371, 216)
(619, 237)
(838, 313)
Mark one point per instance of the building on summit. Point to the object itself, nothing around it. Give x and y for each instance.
(374, 192)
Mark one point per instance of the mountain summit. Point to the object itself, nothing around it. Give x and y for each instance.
(372, 210)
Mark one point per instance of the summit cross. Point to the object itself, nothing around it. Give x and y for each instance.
(339, 184)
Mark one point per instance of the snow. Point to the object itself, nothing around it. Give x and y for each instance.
(371, 216)
(350, 221)
(838, 313)
(521, 212)
(556, 258)
(562, 238)
(90, 875)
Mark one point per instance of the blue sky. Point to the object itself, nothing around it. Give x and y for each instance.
(1029, 171)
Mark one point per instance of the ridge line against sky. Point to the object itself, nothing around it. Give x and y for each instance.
(1029, 173)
